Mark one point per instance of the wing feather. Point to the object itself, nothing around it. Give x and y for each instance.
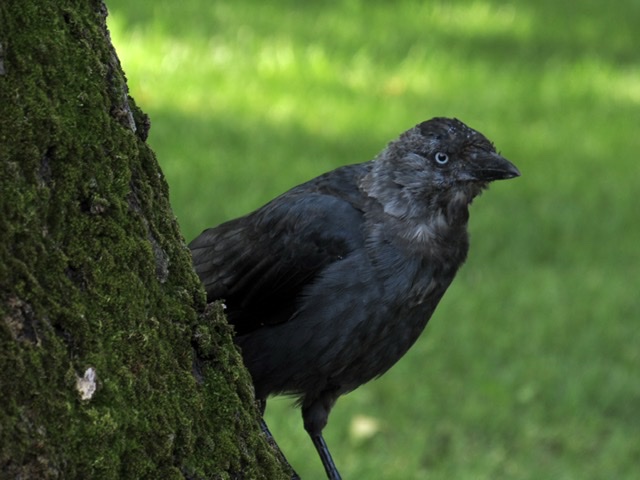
(260, 263)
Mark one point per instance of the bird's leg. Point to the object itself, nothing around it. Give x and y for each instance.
(262, 405)
(315, 413)
(325, 456)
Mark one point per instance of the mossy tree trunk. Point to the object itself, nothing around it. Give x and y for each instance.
(111, 365)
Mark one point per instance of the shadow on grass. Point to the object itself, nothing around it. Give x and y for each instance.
(236, 164)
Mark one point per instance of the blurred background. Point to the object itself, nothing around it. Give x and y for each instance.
(530, 368)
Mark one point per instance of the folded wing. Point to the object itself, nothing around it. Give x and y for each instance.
(260, 263)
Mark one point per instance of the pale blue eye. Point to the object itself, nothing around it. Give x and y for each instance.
(441, 158)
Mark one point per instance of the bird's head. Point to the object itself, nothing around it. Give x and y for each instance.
(436, 161)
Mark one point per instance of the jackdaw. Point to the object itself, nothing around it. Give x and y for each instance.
(329, 284)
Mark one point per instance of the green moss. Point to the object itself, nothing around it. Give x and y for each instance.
(94, 273)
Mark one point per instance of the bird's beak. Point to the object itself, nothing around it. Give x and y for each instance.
(489, 166)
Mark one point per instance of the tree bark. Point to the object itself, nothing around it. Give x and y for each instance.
(111, 364)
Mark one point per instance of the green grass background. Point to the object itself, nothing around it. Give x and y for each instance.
(530, 368)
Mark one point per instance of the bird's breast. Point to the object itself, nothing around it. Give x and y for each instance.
(410, 287)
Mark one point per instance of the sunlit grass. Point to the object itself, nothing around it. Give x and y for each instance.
(529, 367)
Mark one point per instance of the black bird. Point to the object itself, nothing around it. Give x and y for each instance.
(329, 284)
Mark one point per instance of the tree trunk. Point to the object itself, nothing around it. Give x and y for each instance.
(111, 365)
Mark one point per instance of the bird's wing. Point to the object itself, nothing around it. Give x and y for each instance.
(260, 263)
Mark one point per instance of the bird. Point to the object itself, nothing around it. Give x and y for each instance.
(329, 284)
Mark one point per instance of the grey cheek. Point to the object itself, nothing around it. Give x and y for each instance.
(414, 158)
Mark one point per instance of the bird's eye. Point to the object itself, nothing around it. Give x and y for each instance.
(441, 158)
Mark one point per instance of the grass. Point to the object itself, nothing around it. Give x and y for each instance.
(529, 368)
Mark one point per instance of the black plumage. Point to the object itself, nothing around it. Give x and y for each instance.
(329, 284)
